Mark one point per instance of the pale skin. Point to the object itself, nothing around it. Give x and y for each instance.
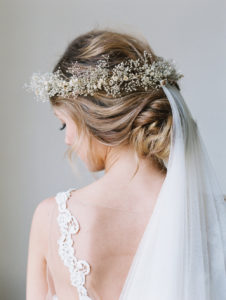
(136, 196)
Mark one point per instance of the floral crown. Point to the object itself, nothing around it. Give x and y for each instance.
(125, 77)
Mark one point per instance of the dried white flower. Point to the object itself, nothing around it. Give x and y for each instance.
(124, 78)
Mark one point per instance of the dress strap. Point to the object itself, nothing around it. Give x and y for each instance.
(69, 225)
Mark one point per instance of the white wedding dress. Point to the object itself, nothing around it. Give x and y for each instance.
(77, 268)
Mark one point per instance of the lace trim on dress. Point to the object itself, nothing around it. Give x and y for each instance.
(69, 225)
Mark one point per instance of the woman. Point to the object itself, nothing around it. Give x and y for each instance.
(154, 226)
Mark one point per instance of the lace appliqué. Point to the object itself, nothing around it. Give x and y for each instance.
(69, 225)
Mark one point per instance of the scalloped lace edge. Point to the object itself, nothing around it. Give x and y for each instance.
(69, 225)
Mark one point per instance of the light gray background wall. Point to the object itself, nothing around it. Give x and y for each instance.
(33, 36)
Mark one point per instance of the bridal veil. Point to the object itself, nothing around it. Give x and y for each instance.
(182, 253)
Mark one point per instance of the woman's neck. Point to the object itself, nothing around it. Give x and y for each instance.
(120, 166)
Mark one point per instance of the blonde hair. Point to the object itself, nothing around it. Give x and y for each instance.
(142, 119)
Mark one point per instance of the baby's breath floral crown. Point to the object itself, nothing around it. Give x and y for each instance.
(125, 77)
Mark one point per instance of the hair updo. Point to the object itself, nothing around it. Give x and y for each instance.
(141, 119)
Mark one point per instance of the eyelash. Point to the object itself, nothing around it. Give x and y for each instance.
(64, 125)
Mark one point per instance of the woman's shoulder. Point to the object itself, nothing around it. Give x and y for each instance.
(77, 196)
(38, 236)
(41, 221)
(45, 205)
(43, 210)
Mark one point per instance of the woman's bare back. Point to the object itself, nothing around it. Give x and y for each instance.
(109, 235)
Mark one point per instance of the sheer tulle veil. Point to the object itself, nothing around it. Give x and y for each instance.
(182, 253)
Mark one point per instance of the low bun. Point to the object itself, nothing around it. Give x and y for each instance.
(151, 130)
